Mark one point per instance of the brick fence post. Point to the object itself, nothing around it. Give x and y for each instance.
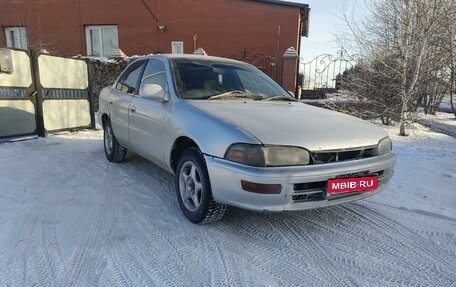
(200, 51)
(290, 69)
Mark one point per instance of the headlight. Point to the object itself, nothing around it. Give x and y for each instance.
(246, 154)
(262, 156)
(284, 155)
(384, 146)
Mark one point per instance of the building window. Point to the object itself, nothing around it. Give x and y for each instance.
(101, 40)
(177, 47)
(16, 37)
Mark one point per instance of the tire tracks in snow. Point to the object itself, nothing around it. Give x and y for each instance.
(279, 263)
(38, 228)
(17, 243)
(411, 245)
(143, 172)
(378, 245)
(206, 245)
(142, 256)
(141, 222)
(317, 250)
(297, 242)
(167, 194)
(362, 252)
(446, 238)
(47, 259)
(90, 254)
(407, 232)
(62, 271)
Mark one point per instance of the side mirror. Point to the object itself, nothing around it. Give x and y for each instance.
(154, 92)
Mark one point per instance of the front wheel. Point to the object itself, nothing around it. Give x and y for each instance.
(193, 189)
(113, 150)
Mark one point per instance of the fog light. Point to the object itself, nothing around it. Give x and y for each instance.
(261, 187)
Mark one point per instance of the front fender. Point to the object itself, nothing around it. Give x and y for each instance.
(212, 135)
(103, 107)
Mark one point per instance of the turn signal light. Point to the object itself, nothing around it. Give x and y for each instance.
(261, 187)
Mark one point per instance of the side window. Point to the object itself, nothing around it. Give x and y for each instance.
(129, 80)
(155, 73)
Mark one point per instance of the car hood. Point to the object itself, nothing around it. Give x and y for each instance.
(294, 124)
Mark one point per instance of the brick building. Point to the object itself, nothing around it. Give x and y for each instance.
(256, 31)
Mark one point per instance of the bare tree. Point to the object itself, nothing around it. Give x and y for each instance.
(450, 50)
(401, 42)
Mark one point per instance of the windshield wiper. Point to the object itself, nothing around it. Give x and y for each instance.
(281, 98)
(232, 94)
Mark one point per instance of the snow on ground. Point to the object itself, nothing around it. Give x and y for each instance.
(445, 105)
(426, 172)
(442, 122)
(68, 217)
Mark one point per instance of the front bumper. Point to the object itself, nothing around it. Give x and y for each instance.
(302, 187)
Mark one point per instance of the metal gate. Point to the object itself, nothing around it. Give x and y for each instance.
(40, 93)
(326, 72)
(18, 101)
(265, 63)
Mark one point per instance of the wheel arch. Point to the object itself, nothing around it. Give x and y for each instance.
(104, 119)
(181, 144)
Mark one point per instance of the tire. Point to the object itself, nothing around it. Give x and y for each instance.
(194, 191)
(113, 150)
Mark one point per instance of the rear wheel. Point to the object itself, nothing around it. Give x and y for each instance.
(113, 150)
(194, 191)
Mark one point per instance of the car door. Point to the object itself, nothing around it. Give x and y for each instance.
(120, 98)
(147, 114)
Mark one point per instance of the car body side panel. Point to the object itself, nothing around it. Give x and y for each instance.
(103, 102)
(146, 128)
(119, 104)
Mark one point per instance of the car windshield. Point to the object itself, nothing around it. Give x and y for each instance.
(198, 79)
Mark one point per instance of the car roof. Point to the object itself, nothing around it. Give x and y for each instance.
(194, 57)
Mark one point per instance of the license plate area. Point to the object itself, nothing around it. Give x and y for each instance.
(352, 184)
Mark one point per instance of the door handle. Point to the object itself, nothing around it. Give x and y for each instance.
(133, 109)
(110, 102)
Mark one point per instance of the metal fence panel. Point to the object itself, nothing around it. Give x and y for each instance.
(40, 93)
(18, 112)
(63, 97)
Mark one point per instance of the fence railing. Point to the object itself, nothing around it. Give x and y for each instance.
(265, 63)
(326, 71)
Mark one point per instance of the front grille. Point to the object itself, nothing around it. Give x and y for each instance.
(309, 191)
(337, 156)
(309, 186)
(308, 197)
(315, 191)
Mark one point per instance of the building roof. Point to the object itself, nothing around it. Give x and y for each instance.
(286, 3)
(304, 8)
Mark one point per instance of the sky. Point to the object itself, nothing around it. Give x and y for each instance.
(325, 22)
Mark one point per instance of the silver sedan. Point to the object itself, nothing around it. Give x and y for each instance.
(233, 136)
